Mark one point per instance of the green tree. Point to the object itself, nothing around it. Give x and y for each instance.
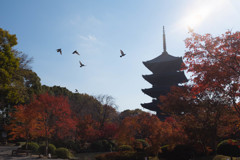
(9, 65)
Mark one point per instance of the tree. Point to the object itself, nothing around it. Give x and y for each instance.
(107, 110)
(149, 127)
(23, 123)
(9, 65)
(87, 129)
(215, 65)
(129, 113)
(54, 117)
(18, 82)
(205, 116)
(28, 80)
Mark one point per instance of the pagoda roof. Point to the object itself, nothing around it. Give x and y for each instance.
(164, 66)
(156, 91)
(164, 57)
(167, 78)
(151, 106)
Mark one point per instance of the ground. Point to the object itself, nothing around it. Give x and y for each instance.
(6, 154)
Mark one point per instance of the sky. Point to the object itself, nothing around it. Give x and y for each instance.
(98, 29)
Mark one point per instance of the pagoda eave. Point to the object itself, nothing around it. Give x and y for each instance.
(156, 92)
(149, 106)
(165, 66)
(166, 79)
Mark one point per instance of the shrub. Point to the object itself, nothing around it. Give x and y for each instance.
(183, 152)
(151, 151)
(63, 153)
(138, 146)
(18, 144)
(166, 151)
(227, 149)
(125, 148)
(31, 146)
(51, 149)
(227, 141)
(144, 143)
(101, 145)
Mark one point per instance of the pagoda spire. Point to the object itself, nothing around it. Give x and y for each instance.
(164, 42)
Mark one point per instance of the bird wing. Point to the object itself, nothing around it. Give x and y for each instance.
(81, 63)
(122, 53)
(59, 50)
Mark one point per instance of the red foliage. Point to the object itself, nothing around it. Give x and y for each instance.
(54, 116)
(108, 131)
(23, 124)
(214, 63)
(149, 127)
(87, 129)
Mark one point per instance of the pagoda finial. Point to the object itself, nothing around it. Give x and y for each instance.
(164, 42)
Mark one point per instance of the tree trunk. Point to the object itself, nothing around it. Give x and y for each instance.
(27, 140)
(46, 149)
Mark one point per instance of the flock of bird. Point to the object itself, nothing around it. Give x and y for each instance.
(76, 52)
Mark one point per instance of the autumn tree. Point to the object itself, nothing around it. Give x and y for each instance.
(54, 117)
(204, 116)
(205, 104)
(214, 63)
(23, 123)
(87, 129)
(149, 127)
(129, 113)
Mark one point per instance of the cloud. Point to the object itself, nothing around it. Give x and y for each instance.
(89, 38)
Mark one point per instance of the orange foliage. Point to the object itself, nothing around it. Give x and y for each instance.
(23, 124)
(149, 127)
(45, 116)
(214, 63)
(87, 129)
(54, 116)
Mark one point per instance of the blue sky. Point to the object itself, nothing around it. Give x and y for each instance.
(98, 29)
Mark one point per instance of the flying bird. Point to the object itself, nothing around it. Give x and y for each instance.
(76, 90)
(122, 53)
(76, 52)
(59, 50)
(81, 65)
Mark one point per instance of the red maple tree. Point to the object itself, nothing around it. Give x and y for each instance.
(215, 65)
(23, 123)
(54, 117)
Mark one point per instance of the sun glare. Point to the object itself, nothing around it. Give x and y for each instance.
(196, 15)
(195, 19)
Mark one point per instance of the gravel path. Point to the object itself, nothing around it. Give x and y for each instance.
(6, 154)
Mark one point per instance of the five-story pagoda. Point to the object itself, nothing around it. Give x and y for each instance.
(165, 73)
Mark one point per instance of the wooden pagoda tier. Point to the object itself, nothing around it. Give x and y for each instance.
(165, 74)
(165, 78)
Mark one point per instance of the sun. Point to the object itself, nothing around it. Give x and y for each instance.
(196, 17)
(200, 11)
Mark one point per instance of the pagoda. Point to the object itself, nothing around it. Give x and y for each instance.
(165, 73)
